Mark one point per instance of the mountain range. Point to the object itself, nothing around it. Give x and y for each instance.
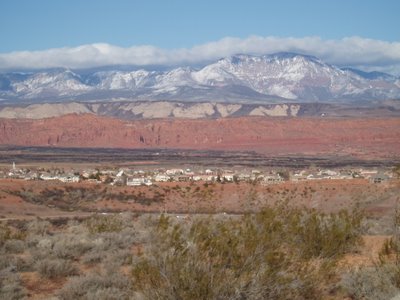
(275, 78)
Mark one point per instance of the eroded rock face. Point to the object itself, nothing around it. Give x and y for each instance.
(147, 110)
(276, 111)
(374, 137)
(43, 110)
(196, 110)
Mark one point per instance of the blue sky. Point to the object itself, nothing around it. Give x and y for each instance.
(165, 25)
(42, 24)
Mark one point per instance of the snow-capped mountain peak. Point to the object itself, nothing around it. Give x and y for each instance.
(286, 75)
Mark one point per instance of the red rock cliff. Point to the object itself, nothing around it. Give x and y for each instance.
(372, 137)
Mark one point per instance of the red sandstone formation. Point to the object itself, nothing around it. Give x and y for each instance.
(372, 137)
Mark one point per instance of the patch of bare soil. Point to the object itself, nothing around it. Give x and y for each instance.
(367, 255)
(40, 288)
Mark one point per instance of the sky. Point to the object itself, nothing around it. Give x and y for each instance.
(87, 33)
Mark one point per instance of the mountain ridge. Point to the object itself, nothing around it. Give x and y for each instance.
(274, 78)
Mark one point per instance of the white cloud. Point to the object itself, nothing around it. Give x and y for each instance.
(367, 54)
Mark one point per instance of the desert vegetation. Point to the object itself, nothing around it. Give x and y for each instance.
(381, 280)
(281, 252)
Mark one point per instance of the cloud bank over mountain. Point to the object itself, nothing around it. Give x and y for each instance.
(362, 53)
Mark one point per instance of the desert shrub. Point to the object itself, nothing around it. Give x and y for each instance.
(55, 268)
(61, 245)
(332, 235)
(71, 246)
(126, 218)
(10, 233)
(23, 264)
(104, 223)
(77, 227)
(94, 257)
(38, 227)
(107, 241)
(40, 248)
(382, 281)
(97, 286)
(390, 255)
(33, 241)
(142, 226)
(11, 287)
(390, 248)
(59, 222)
(261, 256)
(91, 248)
(119, 257)
(378, 225)
(371, 283)
(6, 261)
(107, 294)
(5, 234)
(14, 246)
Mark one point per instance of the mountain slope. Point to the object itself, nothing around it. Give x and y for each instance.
(273, 78)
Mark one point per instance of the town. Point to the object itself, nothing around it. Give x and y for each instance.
(148, 177)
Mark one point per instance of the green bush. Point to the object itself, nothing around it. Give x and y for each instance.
(10, 233)
(5, 234)
(332, 235)
(269, 255)
(104, 223)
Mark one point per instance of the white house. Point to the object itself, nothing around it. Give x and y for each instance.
(69, 178)
(273, 178)
(46, 176)
(228, 177)
(135, 181)
(161, 178)
(138, 181)
(174, 172)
